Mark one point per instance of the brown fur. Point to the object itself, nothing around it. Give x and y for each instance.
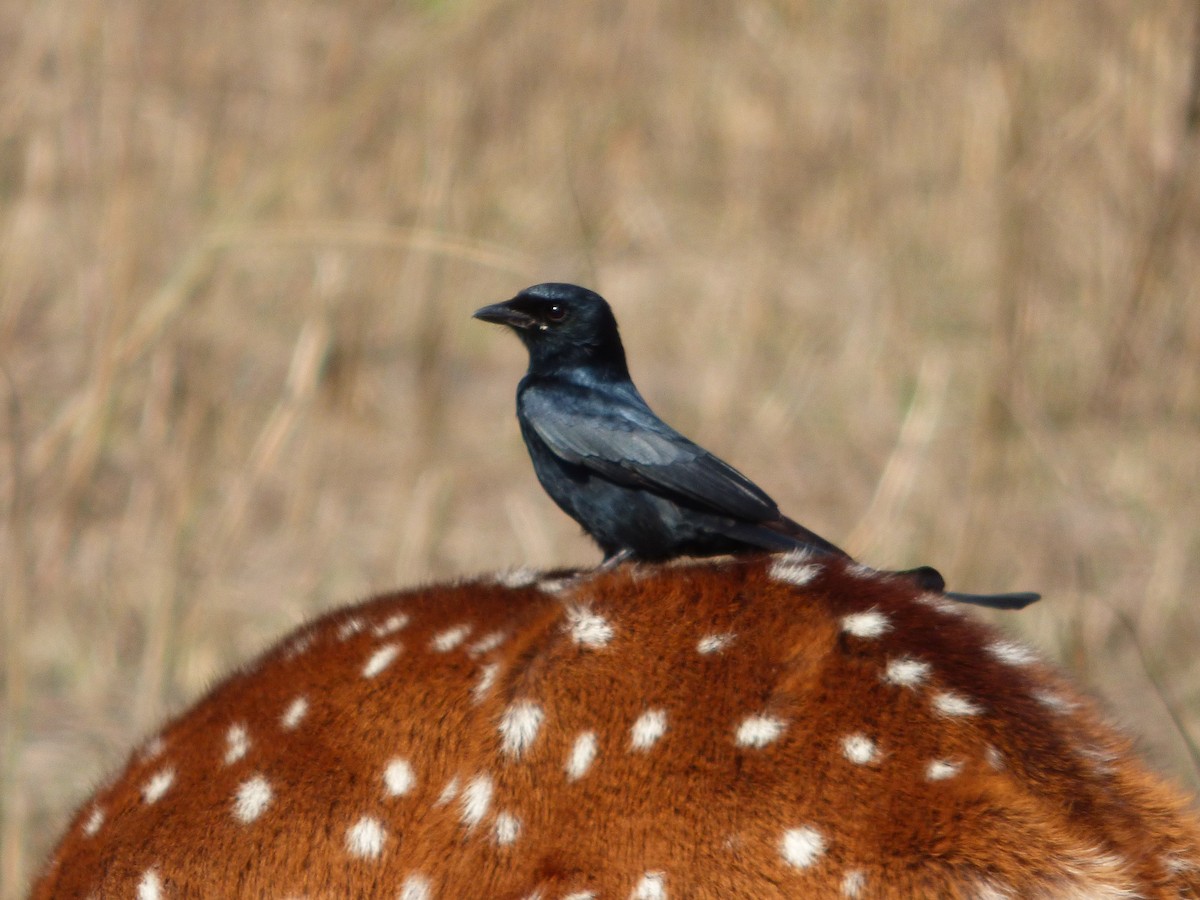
(1042, 799)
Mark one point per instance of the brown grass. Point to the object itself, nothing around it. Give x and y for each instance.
(925, 271)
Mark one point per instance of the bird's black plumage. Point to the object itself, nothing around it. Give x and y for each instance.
(636, 485)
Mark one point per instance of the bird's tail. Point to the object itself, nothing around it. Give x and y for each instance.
(930, 579)
(1017, 600)
(785, 534)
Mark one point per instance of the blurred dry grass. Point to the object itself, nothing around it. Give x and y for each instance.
(927, 272)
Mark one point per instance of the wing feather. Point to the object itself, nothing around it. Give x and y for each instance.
(618, 436)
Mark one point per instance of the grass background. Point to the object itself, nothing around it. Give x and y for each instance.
(927, 272)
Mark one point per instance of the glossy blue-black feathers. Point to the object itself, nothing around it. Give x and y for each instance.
(636, 485)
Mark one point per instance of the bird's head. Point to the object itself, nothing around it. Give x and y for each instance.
(563, 326)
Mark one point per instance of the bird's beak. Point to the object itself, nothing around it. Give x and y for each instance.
(503, 314)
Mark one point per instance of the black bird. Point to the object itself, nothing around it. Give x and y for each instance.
(637, 486)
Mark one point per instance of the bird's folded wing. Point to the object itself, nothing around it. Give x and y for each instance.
(627, 443)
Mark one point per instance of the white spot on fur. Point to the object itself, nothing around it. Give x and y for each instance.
(153, 748)
(556, 585)
(299, 645)
(1054, 702)
(1108, 867)
(415, 887)
(508, 827)
(398, 778)
(365, 838)
(990, 890)
(160, 782)
(519, 726)
(858, 570)
(653, 886)
(517, 578)
(487, 678)
(869, 624)
(390, 625)
(92, 823)
(237, 743)
(445, 641)
(947, 703)
(853, 883)
(582, 755)
(801, 847)
(1011, 653)
(588, 629)
(150, 886)
(758, 731)
(649, 727)
(714, 643)
(476, 798)
(941, 769)
(1101, 759)
(993, 757)
(449, 792)
(859, 749)
(795, 567)
(1176, 864)
(380, 660)
(580, 895)
(350, 627)
(943, 605)
(904, 671)
(294, 714)
(487, 643)
(252, 798)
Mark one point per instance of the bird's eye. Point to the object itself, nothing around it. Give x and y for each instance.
(556, 313)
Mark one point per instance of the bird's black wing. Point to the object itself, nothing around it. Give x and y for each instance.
(615, 434)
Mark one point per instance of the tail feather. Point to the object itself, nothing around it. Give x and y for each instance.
(1017, 600)
(930, 579)
(786, 534)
